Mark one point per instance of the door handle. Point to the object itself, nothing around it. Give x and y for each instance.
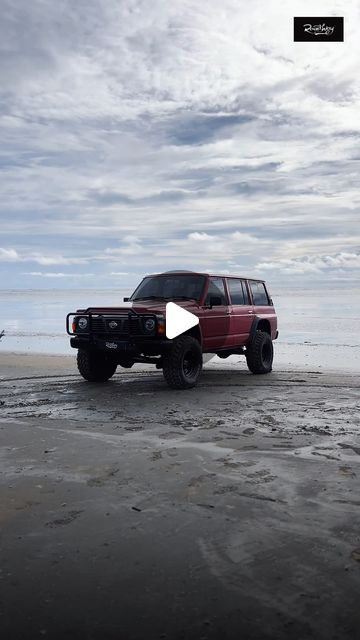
(250, 311)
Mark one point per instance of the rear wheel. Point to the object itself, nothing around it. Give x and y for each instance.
(260, 354)
(182, 365)
(95, 367)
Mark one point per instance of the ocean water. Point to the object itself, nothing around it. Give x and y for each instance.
(316, 327)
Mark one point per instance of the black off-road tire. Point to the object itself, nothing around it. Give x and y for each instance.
(95, 367)
(127, 363)
(260, 354)
(183, 364)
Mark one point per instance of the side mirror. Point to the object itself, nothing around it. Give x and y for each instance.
(215, 301)
(126, 299)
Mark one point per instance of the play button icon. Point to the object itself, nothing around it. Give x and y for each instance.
(178, 320)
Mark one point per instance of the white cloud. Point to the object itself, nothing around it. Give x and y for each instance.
(198, 247)
(131, 246)
(313, 264)
(53, 274)
(41, 274)
(53, 260)
(9, 255)
(199, 237)
(120, 273)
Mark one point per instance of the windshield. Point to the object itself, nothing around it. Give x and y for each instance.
(185, 287)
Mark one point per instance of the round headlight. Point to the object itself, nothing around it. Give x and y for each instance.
(83, 323)
(149, 324)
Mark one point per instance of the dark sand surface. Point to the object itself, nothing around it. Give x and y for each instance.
(132, 511)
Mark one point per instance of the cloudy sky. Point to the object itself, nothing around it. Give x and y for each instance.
(141, 135)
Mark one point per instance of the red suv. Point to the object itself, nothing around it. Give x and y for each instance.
(236, 316)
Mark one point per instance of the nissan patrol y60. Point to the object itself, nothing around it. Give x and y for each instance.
(235, 316)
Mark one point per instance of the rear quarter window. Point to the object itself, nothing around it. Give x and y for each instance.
(259, 294)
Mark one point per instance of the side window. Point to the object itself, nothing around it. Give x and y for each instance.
(216, 288)
(259, 294)
(235, 291)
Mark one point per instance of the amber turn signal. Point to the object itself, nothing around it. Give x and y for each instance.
(161, 326)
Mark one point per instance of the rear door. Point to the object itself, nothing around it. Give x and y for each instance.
(215, 322)
(241, 311)
(263, 306)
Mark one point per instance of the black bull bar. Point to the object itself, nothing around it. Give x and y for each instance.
(90, 314)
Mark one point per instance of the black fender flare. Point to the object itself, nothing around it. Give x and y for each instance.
(254, 328)
(195, 332)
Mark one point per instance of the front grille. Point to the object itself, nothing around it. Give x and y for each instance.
(135, 327)
(97, 324)
(106, 324)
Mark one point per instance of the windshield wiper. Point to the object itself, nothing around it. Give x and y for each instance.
(150, 298)
(164, 298)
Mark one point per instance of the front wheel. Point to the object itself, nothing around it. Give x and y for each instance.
(127, 363)
(182, 365)
(260, 354)
(94, 366)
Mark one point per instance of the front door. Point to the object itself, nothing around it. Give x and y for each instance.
(215, 322)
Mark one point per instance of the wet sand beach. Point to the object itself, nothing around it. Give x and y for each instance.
(132, 511)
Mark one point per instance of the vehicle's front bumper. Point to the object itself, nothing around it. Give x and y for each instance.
(130, 346)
